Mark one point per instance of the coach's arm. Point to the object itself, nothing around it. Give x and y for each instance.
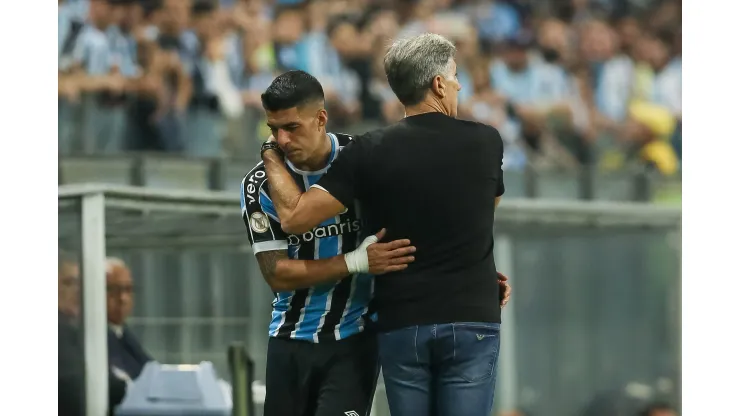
(284, 274)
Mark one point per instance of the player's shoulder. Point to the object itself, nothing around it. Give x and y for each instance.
(257, 173)
(254, 179)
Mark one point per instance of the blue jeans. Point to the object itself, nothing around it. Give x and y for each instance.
(440, 370)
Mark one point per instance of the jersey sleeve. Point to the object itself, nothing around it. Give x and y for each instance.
(343, 177)
(260, 216)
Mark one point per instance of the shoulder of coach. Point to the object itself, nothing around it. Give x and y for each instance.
(487, 131)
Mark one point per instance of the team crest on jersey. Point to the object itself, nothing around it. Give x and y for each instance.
(259, 222)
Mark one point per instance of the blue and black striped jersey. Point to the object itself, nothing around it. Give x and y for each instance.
(332, 311)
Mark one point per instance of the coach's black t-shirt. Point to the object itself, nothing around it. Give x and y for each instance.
(432, 179)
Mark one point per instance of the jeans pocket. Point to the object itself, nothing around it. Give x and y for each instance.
(476, 350)
(398, 346)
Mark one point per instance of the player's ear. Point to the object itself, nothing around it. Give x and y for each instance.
(322, 117)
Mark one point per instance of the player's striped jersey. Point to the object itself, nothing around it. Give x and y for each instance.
(332, 311)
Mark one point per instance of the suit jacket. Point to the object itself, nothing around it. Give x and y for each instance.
(125, 352)
(72, 372)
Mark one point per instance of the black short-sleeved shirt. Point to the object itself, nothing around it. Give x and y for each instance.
(432, 179)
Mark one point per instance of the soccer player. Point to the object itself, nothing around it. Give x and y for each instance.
(435, 180)
(321, 357)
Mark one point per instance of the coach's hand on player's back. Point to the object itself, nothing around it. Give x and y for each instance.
(388, 257)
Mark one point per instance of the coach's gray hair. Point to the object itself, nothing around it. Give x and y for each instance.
(411, 65)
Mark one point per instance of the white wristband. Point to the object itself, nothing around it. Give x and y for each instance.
(356, 260)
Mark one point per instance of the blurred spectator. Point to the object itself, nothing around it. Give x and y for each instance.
(535, 90)
(124, 351)
(555, 43)
(665, 88)
(496, 21)
(611, 70)
(100, 64)
(342, 86)
(189, 73)
(628, 30)
(162, 89)
(71, 379)
(486, 106)
(391, 108)
(288, 30)
(216, 93)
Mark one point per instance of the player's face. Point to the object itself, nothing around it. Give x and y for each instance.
(300, 132)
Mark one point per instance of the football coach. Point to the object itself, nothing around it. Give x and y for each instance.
(435, 180)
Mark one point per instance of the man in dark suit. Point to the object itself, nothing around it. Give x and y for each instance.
(71, 354)
(124, 350)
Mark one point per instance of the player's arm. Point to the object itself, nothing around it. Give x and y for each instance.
(300, 212)
(270, 244)
(285, 274)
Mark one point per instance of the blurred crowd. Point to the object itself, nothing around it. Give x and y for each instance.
(568, 83)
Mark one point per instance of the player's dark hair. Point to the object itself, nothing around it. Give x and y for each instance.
(292, 89)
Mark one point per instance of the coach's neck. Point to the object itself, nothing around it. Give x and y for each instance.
(430, 104)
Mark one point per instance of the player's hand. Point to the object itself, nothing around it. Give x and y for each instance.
(389, 257)
(506, 292)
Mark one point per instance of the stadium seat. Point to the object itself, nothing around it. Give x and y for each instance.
(101, 169)
(556, 185)
(614, 187)
(175, 173)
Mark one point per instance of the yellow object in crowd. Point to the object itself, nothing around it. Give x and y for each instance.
(661, 124)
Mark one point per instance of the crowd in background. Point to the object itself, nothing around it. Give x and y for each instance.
(567, 82)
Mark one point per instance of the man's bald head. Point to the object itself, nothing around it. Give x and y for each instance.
(120, 288)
